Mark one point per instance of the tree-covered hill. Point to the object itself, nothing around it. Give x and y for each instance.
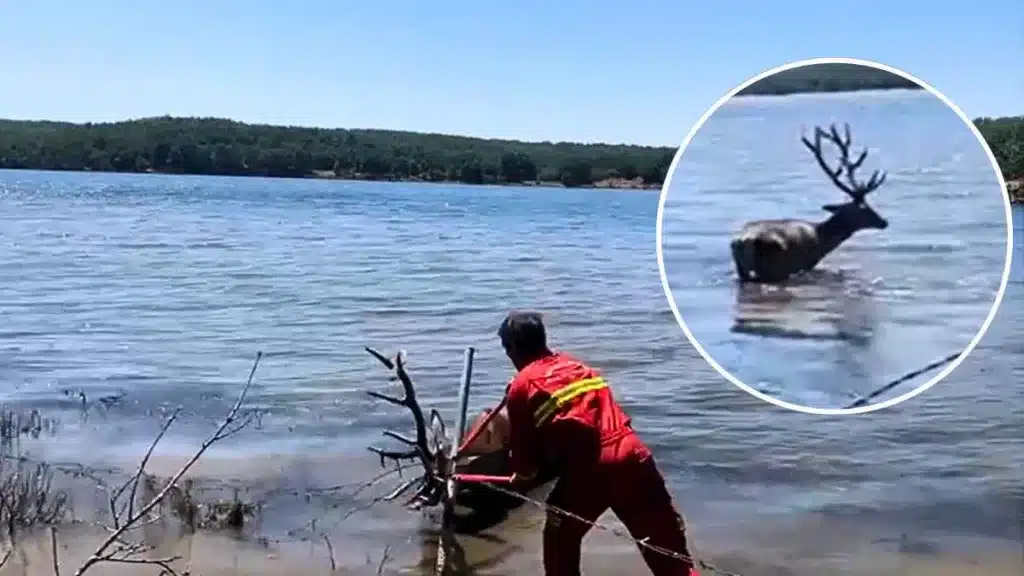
(226, 147)
(1005, 136)
(827, 78)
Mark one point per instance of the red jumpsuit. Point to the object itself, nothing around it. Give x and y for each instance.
(563, 417)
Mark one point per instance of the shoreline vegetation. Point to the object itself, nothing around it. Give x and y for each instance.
(150, 523)
(828, 78)
(223, 147)
(1005, 136)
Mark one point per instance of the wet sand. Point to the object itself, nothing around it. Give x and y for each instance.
(214, 555)
(302, 499)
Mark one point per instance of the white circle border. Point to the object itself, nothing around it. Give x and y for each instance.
(870, 407)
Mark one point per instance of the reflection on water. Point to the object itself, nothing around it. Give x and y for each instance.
(820, 305)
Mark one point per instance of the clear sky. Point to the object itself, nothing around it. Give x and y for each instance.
(638, 71)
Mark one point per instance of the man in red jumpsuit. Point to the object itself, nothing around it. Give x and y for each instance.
(564, 419)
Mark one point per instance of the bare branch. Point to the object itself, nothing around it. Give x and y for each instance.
(134, 480)
(27, 497)
(384, 560)
(330, 552)
(228, 426)
(53, 546)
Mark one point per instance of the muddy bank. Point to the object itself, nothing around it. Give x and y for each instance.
(299, 504)
(324, 512)
(219, 555)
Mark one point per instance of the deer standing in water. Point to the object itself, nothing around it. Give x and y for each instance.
(771, 251)
(487, 455)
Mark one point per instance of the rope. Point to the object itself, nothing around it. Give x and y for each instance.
(864, 400)
(619, 533)
(703, 565)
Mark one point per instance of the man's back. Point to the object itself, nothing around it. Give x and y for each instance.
(572, 408)
(563, 419)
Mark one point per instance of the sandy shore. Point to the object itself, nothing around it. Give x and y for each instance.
(285, 489)
(217, 555)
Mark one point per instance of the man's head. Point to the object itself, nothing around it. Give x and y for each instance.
(523, 337)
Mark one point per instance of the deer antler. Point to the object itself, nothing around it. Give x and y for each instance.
(431, 455)
(852, 187)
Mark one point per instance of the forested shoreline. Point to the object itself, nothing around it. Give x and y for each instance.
(1005, 136)
(214, 146)
(828, 78)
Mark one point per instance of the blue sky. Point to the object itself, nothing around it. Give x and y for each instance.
(637, 71)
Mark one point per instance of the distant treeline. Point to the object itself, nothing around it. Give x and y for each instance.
(1005, 136)
(225, 147)
(827, 78)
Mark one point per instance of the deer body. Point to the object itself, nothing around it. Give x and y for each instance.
(771, 251)
(489, 455)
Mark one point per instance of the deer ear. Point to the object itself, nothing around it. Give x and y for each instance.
(833, 208)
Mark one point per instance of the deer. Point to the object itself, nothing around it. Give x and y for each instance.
(487, 455)
(772, 251)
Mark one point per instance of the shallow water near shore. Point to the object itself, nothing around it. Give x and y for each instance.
(161, 289)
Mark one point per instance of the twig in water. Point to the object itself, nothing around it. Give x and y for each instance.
(383, 560)
(229, 426)
(134, 480)
(330, 550)
(56, 554)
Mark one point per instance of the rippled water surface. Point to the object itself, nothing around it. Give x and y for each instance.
(162, 288)
(886, 302)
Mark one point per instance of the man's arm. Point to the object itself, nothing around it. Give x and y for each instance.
(522, 431)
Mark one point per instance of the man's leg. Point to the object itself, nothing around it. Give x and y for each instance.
(563, 535)
(646, 507)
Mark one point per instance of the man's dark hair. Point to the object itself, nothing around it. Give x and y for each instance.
(524, 332)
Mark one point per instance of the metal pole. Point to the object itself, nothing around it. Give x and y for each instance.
(447, 538)
(467, 377)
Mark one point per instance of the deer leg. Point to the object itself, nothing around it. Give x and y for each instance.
(768, 263)
(742, 272)
(739, 258)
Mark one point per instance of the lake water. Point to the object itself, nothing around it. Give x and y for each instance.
(162, 288)
(907, 296)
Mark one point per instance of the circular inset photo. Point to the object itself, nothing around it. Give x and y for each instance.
(834, 236)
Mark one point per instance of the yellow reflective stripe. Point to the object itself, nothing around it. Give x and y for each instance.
(565, 394)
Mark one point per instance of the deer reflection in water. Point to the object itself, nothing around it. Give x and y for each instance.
(818, 305)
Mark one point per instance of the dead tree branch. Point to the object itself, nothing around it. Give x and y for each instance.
(115, 549)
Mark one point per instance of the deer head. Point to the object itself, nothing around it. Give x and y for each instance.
(855, 214)
(487, 455)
